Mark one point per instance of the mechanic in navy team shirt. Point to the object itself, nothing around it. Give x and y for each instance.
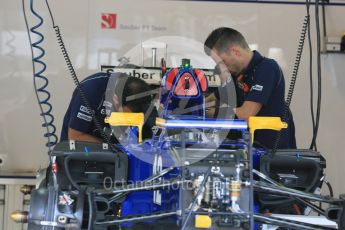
(78, 123)
(259, 82)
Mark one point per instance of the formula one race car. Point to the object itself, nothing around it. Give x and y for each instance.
(189, 175)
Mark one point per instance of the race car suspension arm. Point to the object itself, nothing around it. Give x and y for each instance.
(137, 218)
(288, 223)
(281, 190)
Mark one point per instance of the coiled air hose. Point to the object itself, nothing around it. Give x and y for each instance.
(44, 104)
(42, 94)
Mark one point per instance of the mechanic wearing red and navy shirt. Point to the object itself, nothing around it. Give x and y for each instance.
(260, 84)
(78, 123)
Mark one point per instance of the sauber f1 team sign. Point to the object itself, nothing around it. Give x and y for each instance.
(153, 75)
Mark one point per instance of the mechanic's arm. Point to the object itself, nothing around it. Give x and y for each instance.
(249, 108)
(80, 136)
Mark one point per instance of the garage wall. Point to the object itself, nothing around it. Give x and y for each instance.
(273, 29)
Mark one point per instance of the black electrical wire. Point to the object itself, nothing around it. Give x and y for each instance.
(318, 109)
(83, 96)
(324, 18)
(329, 188)
(286, 112)
(311, 85)
(92, 211)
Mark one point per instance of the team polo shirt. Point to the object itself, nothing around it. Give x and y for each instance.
(78, 116)
(267, 86)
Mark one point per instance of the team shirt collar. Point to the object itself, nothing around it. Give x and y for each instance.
(256, 57)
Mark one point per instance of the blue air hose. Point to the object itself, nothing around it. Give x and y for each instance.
(41, 92)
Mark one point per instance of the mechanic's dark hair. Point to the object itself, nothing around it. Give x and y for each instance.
(223, 37)
(135, 93)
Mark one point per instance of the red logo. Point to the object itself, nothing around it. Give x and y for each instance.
(108, 21)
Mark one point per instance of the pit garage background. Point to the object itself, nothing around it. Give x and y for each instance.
(272, 27)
